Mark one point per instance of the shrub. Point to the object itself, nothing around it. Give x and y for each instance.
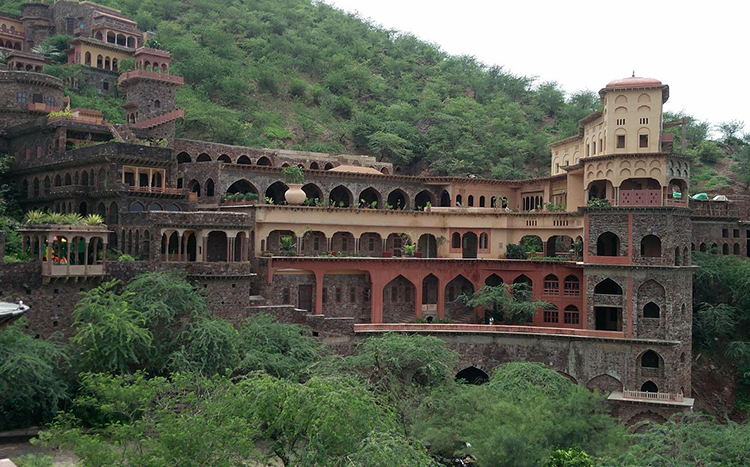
(293, 175)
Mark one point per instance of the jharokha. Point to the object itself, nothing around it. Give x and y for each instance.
(365, 250)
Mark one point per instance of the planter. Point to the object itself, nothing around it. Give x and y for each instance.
(294, 195)
(387, 254)
(418, 254)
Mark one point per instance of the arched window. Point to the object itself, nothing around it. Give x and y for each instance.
(481, 201)
(608, 244)
(677, 256)
(650, 359)
(725, 249)
(459, 200)
(571, 286)
(484, 242)
(203, 157)
(136, 207)
(651, 246)
(183, 158)
(456, 240)
(209, 187)
(471, 200)
(571, 315)
(608, 287)
(736, 249)
(649, 386)
(651, 310)
(551, 285)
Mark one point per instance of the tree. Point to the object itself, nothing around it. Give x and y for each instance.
(111, 335)
(32, 380)
(509, 303)
(279, 349)
(209, 347)
(521, 417)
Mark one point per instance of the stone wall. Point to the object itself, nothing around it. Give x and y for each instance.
(729, 237)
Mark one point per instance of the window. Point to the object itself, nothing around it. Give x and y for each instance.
(325, 294)
(621, 121)
(601, 145)
(483, 241)
(551, 285)
(551, 316)
(725, 233)
(352, 294)
(736, 233)
(338, 295)
(456, 240)
(593, 147)
(571, 315)
(643, 141)
(650, 359)
(105, 85)
(285, 297)
(366, 294)
(620, 141)
(644, 121)
(371, 244)
(344, 243)
(21, 97)
(51, 101)
(571, 287)
(651, 310)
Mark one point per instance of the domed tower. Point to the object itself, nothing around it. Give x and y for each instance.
(150, 108)
(632, 115)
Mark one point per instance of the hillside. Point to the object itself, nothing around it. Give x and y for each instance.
(302, 75)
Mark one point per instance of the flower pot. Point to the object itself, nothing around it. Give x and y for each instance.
(387, 254)
(294, 195)
(418, 254)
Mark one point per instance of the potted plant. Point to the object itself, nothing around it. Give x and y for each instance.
(410, 249)
(294, 178)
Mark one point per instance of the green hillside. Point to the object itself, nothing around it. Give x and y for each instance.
(299, 74)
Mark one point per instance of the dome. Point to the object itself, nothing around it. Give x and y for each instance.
(633, 82)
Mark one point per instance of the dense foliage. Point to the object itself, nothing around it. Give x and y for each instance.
(721, 314)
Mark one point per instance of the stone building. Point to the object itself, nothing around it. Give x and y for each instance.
(370, 250)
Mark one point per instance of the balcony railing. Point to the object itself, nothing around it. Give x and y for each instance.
(655, 396)
(156, 189)
(11, 33)
(62, 270)
(640, 197)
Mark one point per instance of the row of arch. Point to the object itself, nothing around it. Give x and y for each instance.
(13, 45)
(608, 244)
(20, 66)
(36, 188)
(119, 39)
(104, 62)
(264, 161)
(713, 248)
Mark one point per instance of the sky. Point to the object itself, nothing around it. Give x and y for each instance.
(699, 49)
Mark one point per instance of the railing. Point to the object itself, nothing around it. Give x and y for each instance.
(485, 329)
(42, 107)
(156, 189)
(60, 270)
(713, 209)
(11, 33)
(69, 189)
(429, 308)
(654, 396)
(640, 197)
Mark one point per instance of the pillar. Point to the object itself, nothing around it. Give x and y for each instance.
(440, 299)
(319, 276)
(376, 300)
(418, 298)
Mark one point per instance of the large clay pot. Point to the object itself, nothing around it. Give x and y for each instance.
(294, 195)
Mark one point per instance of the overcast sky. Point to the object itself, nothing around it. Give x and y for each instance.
(700, 49)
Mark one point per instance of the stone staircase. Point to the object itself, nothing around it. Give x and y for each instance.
(159, 120)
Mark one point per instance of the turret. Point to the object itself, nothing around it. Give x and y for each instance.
(150, 95)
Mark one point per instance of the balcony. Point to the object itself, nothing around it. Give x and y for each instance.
(659, 398)
(42, 107)
(67, 270)
(640, 197)
(8, 32)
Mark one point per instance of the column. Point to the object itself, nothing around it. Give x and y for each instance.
(86, 255)
(230, 244)
(204, 256)
(150, 178)
(418, 298)
(440, 299)
(319, 276)
(376, 299)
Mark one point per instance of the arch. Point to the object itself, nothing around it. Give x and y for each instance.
(46, 185)
(445, 199)
(472, 375)
(397, 199)
(493, 280)
(394, 244)
(173, 208)
(482, 201)
(341, 197)
(608, 244)
(551, 285)
(183, 158)
(314, 166)
(604, 383)
(83, 208)
(651, 310)
(156, 180)
(470, 201)
(224, 158)
(370, 197)
(328, 166)
(276, 192)
(422, 198)
(209, 186)
(469, 245)
(195, 187)
(571, 315)
(399, 303)
(157, 104)
(608, 287)
(385, 171)
(736, 249)
(242, 186)
(725, 249)
(650, 359)
(343, 242)
(203, 157)
(649, 386)
(644, 98)
(136, 207)
(427, 246)
(84, 178)
(87, 58)
(484, 241)
(456, 240)
(113, 216)
(455, 309)
(559, 244)
(58, 180)
(651, 246)
(677, 255)
(244, 160)
(371, 244)
(264, 161)
(68, 179)
(313, 193)
(216, 247)
(459, 200)
(702, 247)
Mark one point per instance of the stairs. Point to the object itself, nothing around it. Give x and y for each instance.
(159, 120)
